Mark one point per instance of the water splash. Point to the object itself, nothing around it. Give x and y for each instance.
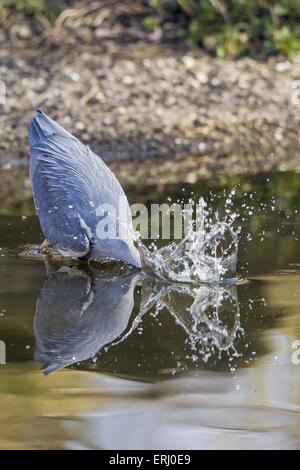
(206, 254)
(209, 315)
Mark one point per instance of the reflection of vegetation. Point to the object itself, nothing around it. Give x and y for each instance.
(284, 188)
(267, 204)
(235, 27)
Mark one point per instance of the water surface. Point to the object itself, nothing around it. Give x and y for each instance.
(95, 359)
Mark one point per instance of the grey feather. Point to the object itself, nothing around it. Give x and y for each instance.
(69, 183)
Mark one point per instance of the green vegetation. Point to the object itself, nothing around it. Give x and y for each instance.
(223, 27)
(149, 23)
(29, 7)
(236, 27)
(32, 8)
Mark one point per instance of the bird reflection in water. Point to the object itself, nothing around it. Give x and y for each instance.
(79, 312)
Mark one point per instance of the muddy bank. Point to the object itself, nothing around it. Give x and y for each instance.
(139, 101)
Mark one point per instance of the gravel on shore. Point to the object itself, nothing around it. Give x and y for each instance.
(180, 112)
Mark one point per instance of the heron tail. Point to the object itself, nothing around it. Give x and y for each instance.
(42, 127)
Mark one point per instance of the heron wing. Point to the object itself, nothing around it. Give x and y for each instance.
(68, 181)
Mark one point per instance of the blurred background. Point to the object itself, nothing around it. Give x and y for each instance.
(162, 90)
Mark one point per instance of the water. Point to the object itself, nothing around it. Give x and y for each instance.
(207, 253)
(181, 365)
